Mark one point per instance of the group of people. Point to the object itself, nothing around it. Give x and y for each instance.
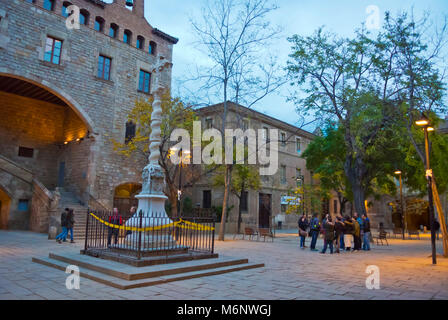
(343, 233)
(67, 223)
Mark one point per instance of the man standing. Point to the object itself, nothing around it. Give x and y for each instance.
(315, 229)
(366, 235)
(63, 234)
(356, 233)
(329, 234)
(339, 232)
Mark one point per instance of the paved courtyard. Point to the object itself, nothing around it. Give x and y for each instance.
(290, 273)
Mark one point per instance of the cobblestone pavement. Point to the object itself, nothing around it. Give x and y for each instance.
(290, 273)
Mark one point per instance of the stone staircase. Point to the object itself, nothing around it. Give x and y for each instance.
(123, 276)
(69, 200)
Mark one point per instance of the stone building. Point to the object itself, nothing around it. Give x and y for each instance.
(265, 207)
(65, 93)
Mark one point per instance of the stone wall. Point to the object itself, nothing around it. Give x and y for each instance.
(102, 106)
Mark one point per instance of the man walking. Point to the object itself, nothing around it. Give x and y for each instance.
(63, 234)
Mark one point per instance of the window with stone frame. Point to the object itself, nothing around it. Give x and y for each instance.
(113, 30)
(99, 24)
(283, 174)
(84, 17)
(298, 145)
(49, 5)
(53, 49)
(26, 152)
(283, 138)
(152, 47)
(127, 36)
(208, 123)
(64, 10)
(130, 131)
(104, 66)
(144, 81)
(206, 199)
(140, 44)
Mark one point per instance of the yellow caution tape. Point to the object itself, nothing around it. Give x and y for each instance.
(181, 224)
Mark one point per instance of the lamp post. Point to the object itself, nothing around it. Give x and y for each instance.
(184, 155)
(424, 122)
(403, 219)
(300, 179)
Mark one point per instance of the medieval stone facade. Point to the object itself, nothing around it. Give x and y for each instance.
(59, 111)
(265, 207)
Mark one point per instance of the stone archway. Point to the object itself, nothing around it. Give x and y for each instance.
(5, 204)
(53, 89)
(47, 135)
(124, 197)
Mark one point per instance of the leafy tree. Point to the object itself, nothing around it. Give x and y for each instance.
(244, 178)
(325, 156)
(369, 85)
(175, 114)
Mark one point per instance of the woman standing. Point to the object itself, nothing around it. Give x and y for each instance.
(348, 233)
(303, 227)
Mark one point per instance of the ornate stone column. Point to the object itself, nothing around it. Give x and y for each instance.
(151, 200)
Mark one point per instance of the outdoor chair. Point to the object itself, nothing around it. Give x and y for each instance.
(397, 232)
(250, 232)
(413, 233)
(382, 235)
(265, 232)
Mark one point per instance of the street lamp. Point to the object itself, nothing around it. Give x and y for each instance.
(424, 122)
(398, 172)
(184, 155)
(300, 178)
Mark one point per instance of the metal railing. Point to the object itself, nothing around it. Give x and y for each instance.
(139, 236)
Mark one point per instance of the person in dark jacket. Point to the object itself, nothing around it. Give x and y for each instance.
(437, 228)
(314, 230)
(116, 220)
(63, 234)
(339, 233)
(366, 235)
(328, 235)
(70, 224)
(303, 227)
(348, 232)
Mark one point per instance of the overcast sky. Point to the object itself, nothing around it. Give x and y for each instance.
(295, 16)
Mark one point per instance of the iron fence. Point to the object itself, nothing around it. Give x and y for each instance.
(140, 236)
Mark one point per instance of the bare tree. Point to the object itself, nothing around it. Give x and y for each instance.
(234, 34)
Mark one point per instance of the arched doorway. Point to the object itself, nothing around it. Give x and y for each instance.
(124, 197)
(45, 137)
(5, 203)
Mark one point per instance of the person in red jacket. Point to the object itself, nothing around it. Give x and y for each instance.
(117, 220)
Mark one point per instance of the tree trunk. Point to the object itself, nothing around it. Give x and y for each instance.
(355, 171)
(225, 201)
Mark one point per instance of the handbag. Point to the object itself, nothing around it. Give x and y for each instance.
(302, 233)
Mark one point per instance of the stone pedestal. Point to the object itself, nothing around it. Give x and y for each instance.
(151, 203)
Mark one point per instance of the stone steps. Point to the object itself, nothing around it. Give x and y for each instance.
(124, 277)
